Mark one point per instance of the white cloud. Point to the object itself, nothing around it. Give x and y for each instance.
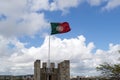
(36, 5)
(20, 20)
(109, 4)
(28, 24)
(94, 2)
(63, 5)
(10, 6)
(112, 4)
(83, 61)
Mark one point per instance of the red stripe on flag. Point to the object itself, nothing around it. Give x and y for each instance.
(66, 27)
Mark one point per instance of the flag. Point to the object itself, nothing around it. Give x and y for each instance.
(58, 28)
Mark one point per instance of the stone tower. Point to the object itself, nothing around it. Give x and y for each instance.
(62, 72)
(37, 69)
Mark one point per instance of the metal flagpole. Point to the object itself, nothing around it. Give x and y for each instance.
(49, 54)
(48, 70)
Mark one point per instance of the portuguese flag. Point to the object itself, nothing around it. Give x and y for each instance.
(58, 28)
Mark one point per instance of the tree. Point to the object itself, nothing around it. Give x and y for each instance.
(111, 71)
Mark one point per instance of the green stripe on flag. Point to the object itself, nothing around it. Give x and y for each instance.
(53, 28)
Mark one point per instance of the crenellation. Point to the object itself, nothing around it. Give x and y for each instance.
(44, 65)
(59, 73)
(52, 65)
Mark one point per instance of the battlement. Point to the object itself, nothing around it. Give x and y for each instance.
(62, 72)
(44, 65)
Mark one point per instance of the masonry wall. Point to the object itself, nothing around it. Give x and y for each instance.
(37, 70)
(64, 70)
(60, 73)
(53, 74)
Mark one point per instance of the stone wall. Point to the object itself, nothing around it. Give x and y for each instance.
(60, 73)
(64, 70)
(37, 70)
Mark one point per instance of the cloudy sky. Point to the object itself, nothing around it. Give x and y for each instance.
(25, 26)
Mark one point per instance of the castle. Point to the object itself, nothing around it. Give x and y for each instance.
(42, 72)
(62, 72)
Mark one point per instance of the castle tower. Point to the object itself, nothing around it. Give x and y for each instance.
(64, 70)
(60, 73)
(37, 70)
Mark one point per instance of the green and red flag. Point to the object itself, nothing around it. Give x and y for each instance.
(58, 28)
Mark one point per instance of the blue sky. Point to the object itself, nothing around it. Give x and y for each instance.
(100, 27)
(25, 26)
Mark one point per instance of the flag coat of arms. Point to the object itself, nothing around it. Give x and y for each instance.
(58, 28)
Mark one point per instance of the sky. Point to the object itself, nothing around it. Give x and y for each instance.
(25, 28)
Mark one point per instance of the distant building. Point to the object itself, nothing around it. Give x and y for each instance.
(20, 77)
(87, 78)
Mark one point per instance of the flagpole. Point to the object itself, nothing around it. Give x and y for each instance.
(49, 53)
(48, 70)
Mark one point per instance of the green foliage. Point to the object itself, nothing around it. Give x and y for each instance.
(111, 71)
